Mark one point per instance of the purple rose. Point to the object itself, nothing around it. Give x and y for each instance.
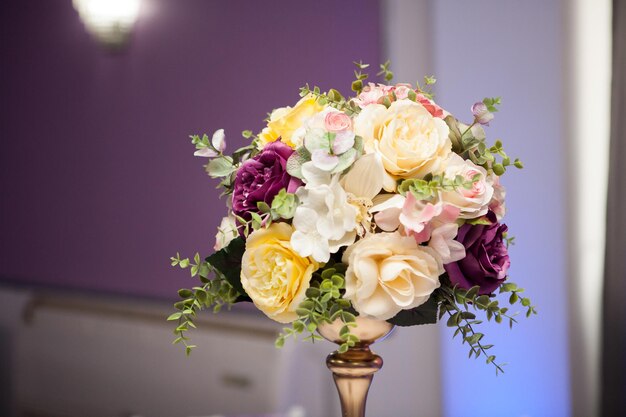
(261, 178)
(487, 258)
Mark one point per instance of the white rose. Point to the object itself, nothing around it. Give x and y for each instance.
(473, 202)
(388, 272)
(410, 140)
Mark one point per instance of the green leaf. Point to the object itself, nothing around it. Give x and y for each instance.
(263, 206)
(184, 293)
(345, 160)
(508, 287)
(220, 167)
(498, 169)
(423, 314)
(228, 263)
(472, 292)
(175, 316)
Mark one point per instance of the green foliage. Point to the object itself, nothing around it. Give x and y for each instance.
(428, 188)
(460, 304)
(423, 314)
(220, 167)
(223, 290)
(213, 293)
(227, 265)
(360, 76)
(508, 240)
(283, 205)
(323, 304)
(202, 142)
(492, 103)
(470, 142)
(515, 298)
(464, 321)
(426, 89)
(333, 98)
(385, 72)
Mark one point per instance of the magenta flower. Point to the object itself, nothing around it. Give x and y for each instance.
(261, 178)
(487, 258)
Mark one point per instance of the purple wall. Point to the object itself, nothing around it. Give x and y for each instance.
(98, 185)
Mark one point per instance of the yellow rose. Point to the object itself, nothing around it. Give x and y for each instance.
(388, 272)
(285, 120)
(410, 140)
(273, 274)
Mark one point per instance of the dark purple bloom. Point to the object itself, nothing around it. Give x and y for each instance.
(487, 258)
(261, 178)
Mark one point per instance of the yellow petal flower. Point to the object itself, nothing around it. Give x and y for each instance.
(273, 274)
(286, 120)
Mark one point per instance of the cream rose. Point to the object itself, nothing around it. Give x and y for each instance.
(388, 272)
(273, 274)
(472, 202)
(410, 140)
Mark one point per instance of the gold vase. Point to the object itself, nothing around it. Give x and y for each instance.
(353, 370)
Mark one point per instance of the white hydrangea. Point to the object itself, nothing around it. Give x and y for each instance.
(324, 221)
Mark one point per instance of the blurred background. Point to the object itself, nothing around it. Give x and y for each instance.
(99, 187)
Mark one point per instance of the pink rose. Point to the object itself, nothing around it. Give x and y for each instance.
(497, 201)
(337, 121)
(402, 91)
(430, 105)
(372, 94)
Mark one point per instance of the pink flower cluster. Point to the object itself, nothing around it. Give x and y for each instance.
(376, 93)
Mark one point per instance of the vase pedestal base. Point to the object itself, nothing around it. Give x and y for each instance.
(354, 369)
(353, 372)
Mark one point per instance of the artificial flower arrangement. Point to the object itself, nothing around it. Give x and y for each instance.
(383, 205)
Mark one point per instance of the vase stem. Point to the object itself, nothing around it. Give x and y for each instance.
(353, 372)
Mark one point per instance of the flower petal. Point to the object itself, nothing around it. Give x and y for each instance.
(218, 140)
(316, 139)
(323, 160)
(343, 141)
(365, 179)
(206, 153)
(314, 176)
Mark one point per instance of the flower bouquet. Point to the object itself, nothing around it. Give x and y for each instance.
(382, 206)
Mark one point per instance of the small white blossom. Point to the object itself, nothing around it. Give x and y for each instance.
(324, 221)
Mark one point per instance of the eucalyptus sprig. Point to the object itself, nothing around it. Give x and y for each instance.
(430, 186)
(469, 141)
(333, 98)
(464, 321)
(458, 303)
(385, 72)
(283, 207)
(360, 76)
(323, 304)
(213, 293)
(426, 89)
